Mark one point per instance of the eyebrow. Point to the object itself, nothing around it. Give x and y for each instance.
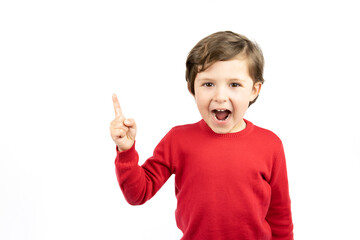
(230, 79)
(237, 79)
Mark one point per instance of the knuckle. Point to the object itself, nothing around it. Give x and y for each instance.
(120, 118)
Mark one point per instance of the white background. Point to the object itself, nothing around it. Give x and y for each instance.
(60, 62)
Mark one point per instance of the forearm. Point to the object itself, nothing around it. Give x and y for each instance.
(280, 221)
(279, 214)
(130, 176)
(139, 183)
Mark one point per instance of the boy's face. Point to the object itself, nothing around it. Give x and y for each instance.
(223, 93)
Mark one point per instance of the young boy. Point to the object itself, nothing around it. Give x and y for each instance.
(230, 175)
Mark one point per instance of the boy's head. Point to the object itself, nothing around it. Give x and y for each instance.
(223, 46)
(224, 74)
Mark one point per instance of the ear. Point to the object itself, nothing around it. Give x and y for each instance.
(255, 91)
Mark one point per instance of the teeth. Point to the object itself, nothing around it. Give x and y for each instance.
(215, 111)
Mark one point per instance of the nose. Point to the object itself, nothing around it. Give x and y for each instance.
(220, 95)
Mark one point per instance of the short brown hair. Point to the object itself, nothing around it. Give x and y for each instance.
(222, 46)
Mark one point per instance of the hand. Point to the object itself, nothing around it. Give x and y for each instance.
(122, 130)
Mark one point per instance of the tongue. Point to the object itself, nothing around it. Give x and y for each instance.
(221, 115)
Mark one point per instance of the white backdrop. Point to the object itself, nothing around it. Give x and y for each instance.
(60, 62)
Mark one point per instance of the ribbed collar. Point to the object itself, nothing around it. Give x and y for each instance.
(249, 127)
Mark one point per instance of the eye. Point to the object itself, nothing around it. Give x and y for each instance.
(235, 85)
(208, 84)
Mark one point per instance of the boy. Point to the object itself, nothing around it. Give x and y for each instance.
(230, 175)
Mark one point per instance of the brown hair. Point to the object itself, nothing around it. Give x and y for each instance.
(222, 46)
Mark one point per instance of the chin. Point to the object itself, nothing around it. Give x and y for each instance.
(219, 130)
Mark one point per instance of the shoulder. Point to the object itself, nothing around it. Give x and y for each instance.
(267, 143)
(266, 133)
(185, 131)
(266, 136)
(186, 128)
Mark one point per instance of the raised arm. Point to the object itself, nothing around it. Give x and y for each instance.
(138, 183)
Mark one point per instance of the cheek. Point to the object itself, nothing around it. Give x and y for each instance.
(241, 101)
(243, 95)
(202, 101)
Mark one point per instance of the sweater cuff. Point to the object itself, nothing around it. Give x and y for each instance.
(127, 158)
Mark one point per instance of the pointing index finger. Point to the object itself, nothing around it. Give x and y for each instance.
(117, 107)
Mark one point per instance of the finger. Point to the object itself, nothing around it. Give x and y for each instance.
(129, 122)
(116, 125)
(116, 104)
(118, 133)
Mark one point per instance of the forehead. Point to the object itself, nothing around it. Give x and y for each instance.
(230, 69)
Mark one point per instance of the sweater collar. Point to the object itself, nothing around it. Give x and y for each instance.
(249, 127)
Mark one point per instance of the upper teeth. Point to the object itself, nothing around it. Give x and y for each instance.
(221, 110)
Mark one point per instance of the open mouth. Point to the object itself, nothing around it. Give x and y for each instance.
(221, 114)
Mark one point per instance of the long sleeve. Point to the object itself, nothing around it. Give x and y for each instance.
(140, 183)
(279, 213)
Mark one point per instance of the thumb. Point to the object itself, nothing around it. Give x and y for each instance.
(130, 123)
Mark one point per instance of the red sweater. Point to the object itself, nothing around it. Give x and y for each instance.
(228, 186)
